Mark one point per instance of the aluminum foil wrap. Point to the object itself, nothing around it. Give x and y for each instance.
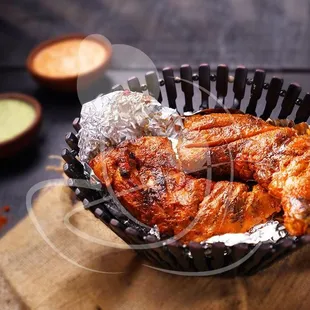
(117, 116)
(271, 231)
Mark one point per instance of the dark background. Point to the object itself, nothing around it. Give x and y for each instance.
(257, 33)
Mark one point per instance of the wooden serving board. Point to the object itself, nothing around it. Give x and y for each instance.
(43, 279)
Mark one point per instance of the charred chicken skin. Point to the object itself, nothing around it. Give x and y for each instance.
(146, 178)
(231, 207)
(278, 159)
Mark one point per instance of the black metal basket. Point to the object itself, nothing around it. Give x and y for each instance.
(195, 257)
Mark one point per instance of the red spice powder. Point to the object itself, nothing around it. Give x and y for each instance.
(4, 219)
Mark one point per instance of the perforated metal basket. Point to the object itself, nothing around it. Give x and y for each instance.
(196, 257)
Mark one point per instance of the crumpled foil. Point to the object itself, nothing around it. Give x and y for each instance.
(155, 232)
(271, 231)
(121, 115)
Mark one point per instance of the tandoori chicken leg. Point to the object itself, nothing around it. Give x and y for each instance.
(278, 159)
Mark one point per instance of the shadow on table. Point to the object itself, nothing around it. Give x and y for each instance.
(23, 161)
(140, 285)
(102, 85)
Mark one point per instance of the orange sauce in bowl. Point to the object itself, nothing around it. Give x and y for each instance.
(69, 58)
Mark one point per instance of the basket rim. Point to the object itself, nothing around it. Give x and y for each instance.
(271, 249)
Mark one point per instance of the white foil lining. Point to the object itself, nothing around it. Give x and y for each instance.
(271, 231)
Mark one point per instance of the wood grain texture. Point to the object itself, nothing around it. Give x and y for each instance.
(44, 280)
(9, 300)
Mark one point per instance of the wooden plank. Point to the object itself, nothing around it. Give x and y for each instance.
(44, 280)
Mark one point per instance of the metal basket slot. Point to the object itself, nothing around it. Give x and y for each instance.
(117, 87)
(303, 240)
(280, 249)
(238, 252)
(170, 258)
(289, 100)
(303, 112)
(199, 259)
(89, 206)
(255, 260)
(187, 87)
(84, 187)
(153, 85)
(272, 96)
(218, 252)
(120, 230)
(134, 84)
(111, 223)
(156, 258)
(133, 234)
(204, 83)
(80, 194)
(221, 85)
(177, 250)
(73, 171)
(256, 91)
(99, 213)
(69, 157)
(76, 124)
(239, 86)
(147, 252)
(162, 252)
(170, 87)
(72, 141)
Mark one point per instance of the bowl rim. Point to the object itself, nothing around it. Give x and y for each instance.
(105, 43)
(38, 111)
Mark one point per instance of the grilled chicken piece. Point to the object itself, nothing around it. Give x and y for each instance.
(202, 132)
(145, 177)
(276, 158)
(232, 208)
(240, 122)
(147, 180)
(292, 183)
(146, 151)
